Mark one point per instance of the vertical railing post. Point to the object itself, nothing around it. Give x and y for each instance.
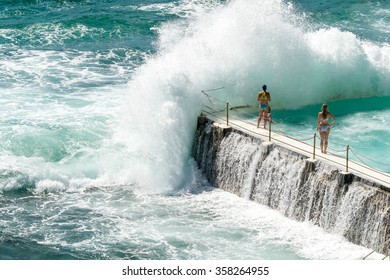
(227, 113)
(314, 146)
(346, 164)
(269, 129)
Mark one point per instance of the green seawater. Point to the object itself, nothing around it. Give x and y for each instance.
(99, 105)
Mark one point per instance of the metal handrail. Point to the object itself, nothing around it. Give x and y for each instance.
(347, 165)
(217, 115)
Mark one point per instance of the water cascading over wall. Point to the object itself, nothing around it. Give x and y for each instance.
(286, 181)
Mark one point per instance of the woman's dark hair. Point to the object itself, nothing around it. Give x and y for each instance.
(324, 110)
(264, 87)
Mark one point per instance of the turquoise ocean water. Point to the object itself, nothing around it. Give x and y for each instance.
(99, 103)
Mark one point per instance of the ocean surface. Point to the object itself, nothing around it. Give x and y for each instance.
(100, 100)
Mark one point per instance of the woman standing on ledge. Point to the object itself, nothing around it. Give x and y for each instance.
(323, 126)
(264, 98)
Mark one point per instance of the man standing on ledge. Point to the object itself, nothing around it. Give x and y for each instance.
(264, 98)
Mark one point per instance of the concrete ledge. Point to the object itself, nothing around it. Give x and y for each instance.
(202, 120)
(346, 178)
(310, 165)
(361, 172)
(223, 128)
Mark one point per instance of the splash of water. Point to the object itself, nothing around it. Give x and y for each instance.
(282, 181)
(238, 46)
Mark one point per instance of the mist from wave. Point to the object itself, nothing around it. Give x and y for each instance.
(233, 47)
(72, 120)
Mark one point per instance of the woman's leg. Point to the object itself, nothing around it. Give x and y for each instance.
(259, 118)
(326, 135)
(322, 140)
(264, 115)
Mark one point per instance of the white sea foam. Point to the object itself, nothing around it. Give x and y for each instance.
(234, 47)
(54, 106)
(211, 224)
(239, 46)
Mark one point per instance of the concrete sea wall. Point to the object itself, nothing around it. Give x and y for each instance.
(292, 184)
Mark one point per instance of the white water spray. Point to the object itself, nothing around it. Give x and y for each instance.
(239, 47)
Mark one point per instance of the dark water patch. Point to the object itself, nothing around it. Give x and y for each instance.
(16, 248)
(82, 25)
(359, 17)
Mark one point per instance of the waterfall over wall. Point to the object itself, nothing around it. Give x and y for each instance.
(287, 181)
